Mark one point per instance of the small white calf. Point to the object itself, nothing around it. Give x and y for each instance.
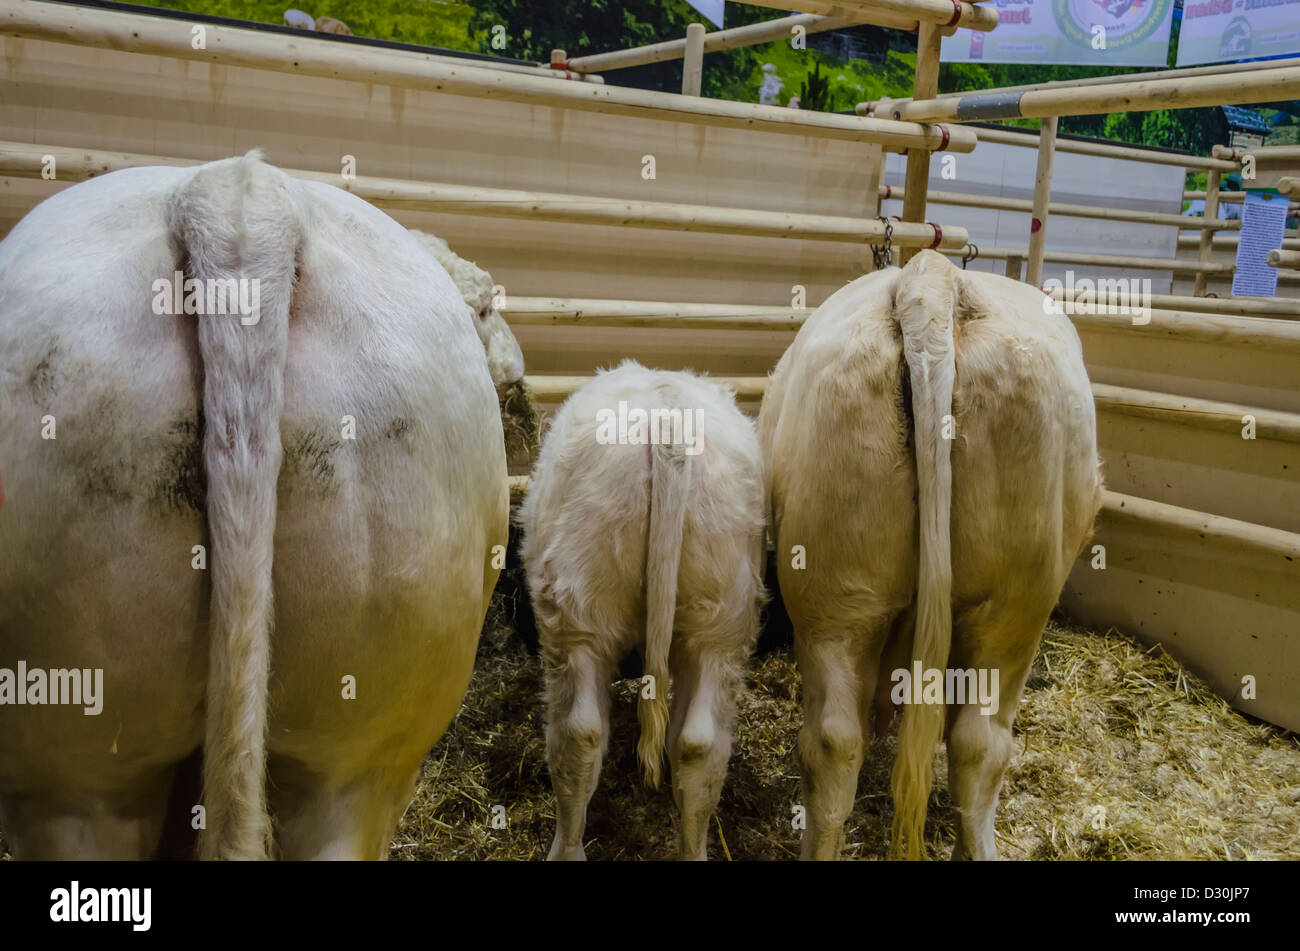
(650, 535)
(931, 445)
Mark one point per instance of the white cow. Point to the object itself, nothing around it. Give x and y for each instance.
(655, 544)
(336, 451)
(931, 445)
(505, 361)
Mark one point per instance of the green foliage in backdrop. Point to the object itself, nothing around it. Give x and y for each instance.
(426, 22)
(532, 28)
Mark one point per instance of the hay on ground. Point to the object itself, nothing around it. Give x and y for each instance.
(1119, 754)
(521, 421)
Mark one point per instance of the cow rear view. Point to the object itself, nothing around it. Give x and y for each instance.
(643, 528)
(279, 520)
(930, 439)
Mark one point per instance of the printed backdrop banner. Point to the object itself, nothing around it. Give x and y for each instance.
(1219, 31)
(1070, 33)
(712, 10)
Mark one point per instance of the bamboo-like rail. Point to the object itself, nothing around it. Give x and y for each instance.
(1087, 259)
(1234, 324)
(998, 203)
(1288, 259)
(1223, 241)
(1279, 331)
(1133, 95)
(555, 389)
(1230, 198)
(1146, 404)
(578, 312)
(1028, 139)
(718, 40)
(1210, 415)
(1264, 333)
(1272, 545)
(233, 46)
(941, 12)
(27, 161)
(1273, 153)
(1164, 74)
(1236, 306)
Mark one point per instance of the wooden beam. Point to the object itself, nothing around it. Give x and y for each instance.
(1209, 415)
(580, 312)
(1273, 544)
(1042, 198)
(555, 389)
(1237, 306)
(1263, 333)
(693, 63)
(26, 161)
(1137, 95)
(1088, 259)
(1229, 241)
(1191, 411)
(1233, 198)
(1171, 74)
(1068, 210)
(1107, 150)
(998, 203)
(21, 160)
(937, 12)
(232, 46)
(735, 38)
(1223, 328)
(1275, 153)
(1206, 249)
(1288, 259)
(926, 83)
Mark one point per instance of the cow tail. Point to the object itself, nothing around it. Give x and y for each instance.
(236, 220)
(670, 476)
(925, 303)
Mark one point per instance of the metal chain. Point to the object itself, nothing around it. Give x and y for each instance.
(971, 253)
(882, 255)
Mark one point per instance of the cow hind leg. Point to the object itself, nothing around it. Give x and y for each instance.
(699, 742)
(577, 733)
(123, 825)
(321, 819)
(979, 743)
(830, 743)
(979, 748)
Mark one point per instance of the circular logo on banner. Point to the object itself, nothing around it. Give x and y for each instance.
(1235, 42)
(1125, 22)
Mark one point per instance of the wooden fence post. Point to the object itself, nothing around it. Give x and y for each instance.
(1042, 196)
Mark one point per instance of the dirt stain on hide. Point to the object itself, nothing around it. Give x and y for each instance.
(117, 463)
(308, 460)
(40, 382)
(399, 429)
(100, 451)
(182, 483)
